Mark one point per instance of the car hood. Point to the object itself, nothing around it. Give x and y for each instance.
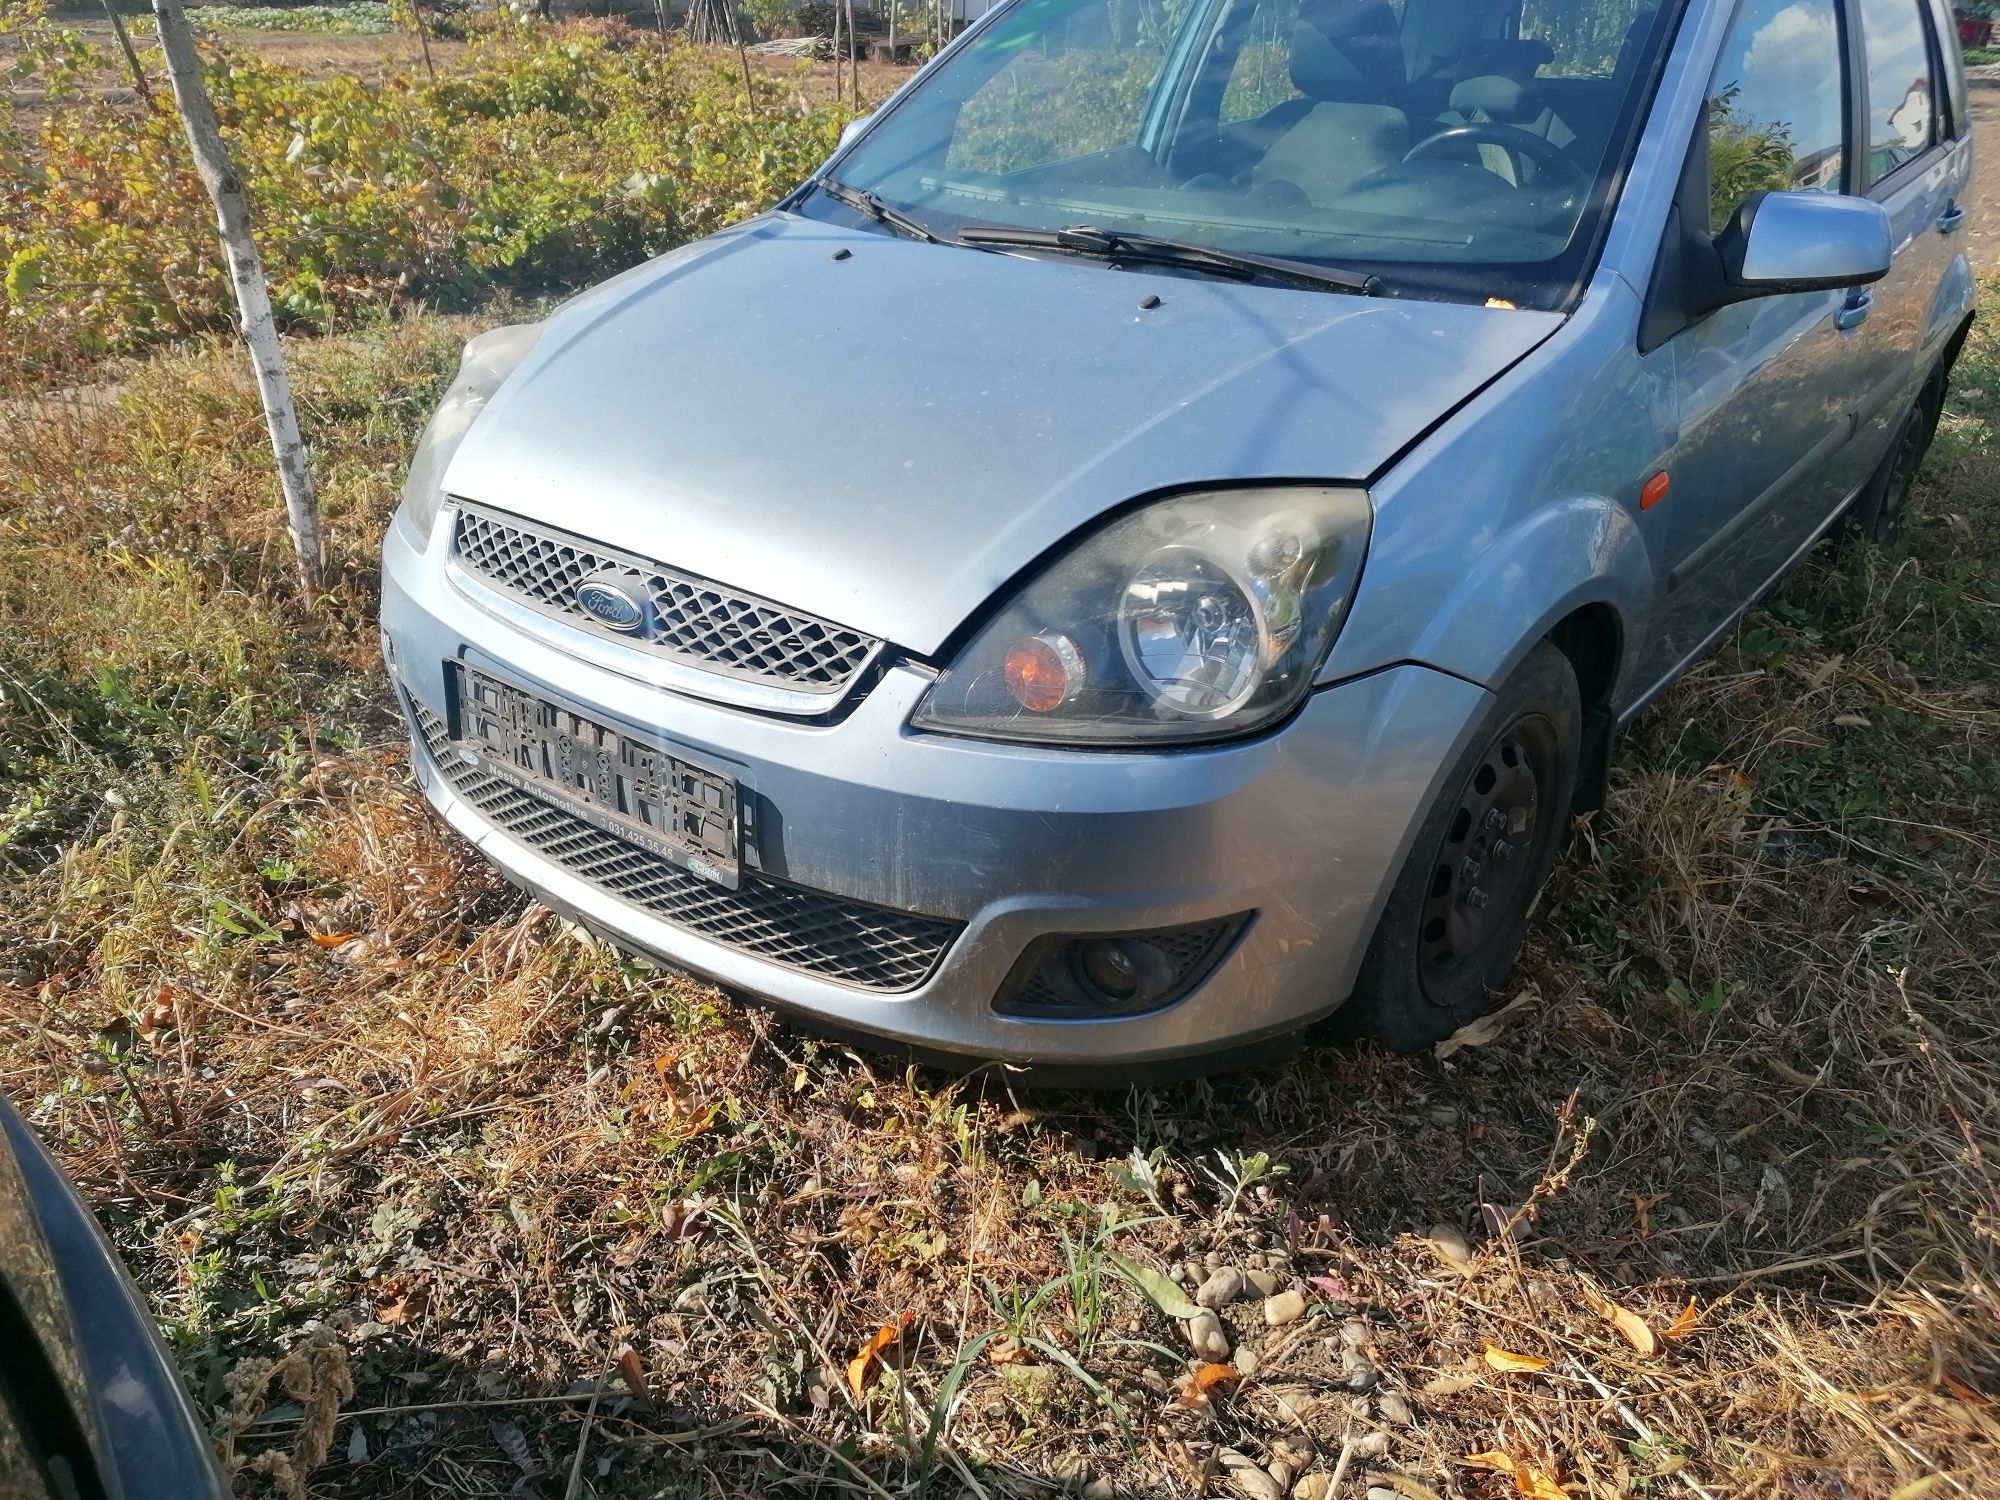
(884, 432)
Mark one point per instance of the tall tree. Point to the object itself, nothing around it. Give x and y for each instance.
(246, 273)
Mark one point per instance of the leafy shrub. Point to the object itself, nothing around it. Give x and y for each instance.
(360, 18)
(549, 159)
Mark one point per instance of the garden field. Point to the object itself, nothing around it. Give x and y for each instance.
(435, 1196)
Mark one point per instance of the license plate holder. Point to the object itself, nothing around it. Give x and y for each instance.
(686, 813)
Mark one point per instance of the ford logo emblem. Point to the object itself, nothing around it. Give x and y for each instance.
(610, 604)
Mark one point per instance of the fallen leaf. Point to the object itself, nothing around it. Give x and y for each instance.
(333, 939)
(1964, 1392)
(859, 1367)
(1159, 1288)
(1508, 1362)
(1403, 1484)
(1688, 1321)
(1500, 302)
(630, 1366)
(1206, 1379)
(1637, 1331)
(399, 1302)
(1333, 1288)
(1487, 1027)
(158, 1013)
(1008, 1351)
(1529, 1481)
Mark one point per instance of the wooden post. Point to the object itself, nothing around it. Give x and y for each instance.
(736, 30)
(246, 273)
(131, 57)
(423, 39)
(838, 93)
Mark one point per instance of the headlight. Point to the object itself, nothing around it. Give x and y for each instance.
(487, 361)
(1197, 617)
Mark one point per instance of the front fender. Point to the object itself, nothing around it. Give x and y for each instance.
(1477, 616)
(1521, 509)
(1569, 554)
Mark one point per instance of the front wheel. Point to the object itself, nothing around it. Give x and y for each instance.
(1457, 914)
(1884, 502)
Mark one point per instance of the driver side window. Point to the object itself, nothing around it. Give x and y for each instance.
(1776, 106)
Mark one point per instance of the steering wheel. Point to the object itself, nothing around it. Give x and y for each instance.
(1510, 138)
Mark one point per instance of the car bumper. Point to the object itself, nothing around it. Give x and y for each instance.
(1302, 829)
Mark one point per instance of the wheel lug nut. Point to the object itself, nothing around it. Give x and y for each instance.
(1475, 898)
(1501, 848)
(1471, 868)
(1495, 819)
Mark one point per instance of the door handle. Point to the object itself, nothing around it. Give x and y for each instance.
(1951, 218)
(1854, 312)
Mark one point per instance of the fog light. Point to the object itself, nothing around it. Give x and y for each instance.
(1115, 973)
(1112, 967)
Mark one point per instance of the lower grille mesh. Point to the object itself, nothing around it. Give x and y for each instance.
(869, 946)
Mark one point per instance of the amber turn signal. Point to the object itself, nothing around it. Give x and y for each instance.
(1044, 671)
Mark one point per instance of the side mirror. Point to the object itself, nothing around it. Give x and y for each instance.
(1803, 242)
(853, 128)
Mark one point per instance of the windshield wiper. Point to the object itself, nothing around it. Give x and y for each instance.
(871, 207)
(1116, 245)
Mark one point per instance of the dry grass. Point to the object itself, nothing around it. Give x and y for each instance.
(463, 1159)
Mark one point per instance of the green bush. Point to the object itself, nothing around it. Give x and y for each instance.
(361, 18)
(547, 160)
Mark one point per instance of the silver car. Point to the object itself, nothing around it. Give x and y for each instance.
(1154, 541)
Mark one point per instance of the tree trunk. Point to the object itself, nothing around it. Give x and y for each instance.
(246, 272)
(423, 39)
(131, 57)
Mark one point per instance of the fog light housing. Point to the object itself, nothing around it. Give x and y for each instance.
(1082, 976)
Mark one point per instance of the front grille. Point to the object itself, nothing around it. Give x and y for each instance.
(869, 946)
(687, 619)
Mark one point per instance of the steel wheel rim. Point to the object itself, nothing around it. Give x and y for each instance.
(1482, 877)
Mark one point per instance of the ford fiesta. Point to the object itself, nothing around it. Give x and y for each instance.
(1152, 543)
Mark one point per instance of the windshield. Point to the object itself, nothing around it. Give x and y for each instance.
(1462, 148)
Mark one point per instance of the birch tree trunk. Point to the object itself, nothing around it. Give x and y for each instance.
(246, 273)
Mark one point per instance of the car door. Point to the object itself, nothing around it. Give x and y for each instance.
(1765, 386)
(1914, 159)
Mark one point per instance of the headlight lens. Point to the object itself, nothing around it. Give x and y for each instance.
(1197, 617)
(486, 363)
